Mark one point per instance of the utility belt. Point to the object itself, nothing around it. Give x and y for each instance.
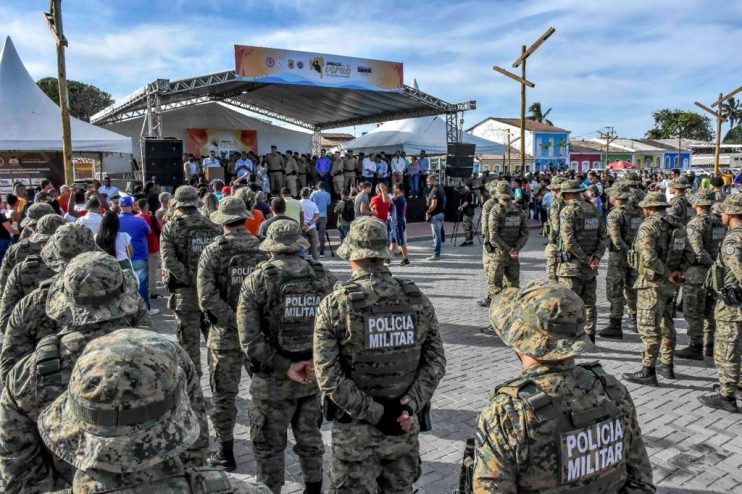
(563, 256)
(731, 295)
(292, 174)
(277, 171)
(332, 412)
(173, 284)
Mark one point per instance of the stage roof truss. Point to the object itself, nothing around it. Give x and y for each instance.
(309, 107)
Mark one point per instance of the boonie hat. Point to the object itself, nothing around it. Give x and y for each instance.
(703, 198)
(93, 289)
(556, 184)
(284, 236)
(678, 183)
(46, 227)
(248, 196)
(732, 204)
(36, 212)
(619, 191)
(571, 187)
(503, 190)
(186, 196)
(545, 320)
(367, 238)
(125, 408)
(654, 200)
(231, 209)
(68, 241)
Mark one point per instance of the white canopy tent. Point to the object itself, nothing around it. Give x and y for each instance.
(220, 116)
(414, 135)
(30, 121)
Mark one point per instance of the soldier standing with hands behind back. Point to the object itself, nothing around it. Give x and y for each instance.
(507, 234)
(275, 319)
(378, 356)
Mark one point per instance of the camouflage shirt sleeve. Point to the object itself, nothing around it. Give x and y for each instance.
(602, 240)
(432, 361)
(254, 342)
(343, 391)
(501, 444)
(523, 234)
(732, 256)
(486, 208)
(638, 467)
(22, 464)
(196, 454)
(613, 227)
(568, 234)
(644, 246)
(209, 295)
(694, 231)
(7, 265)
(12, 294)
(554, 214)
(169, 255)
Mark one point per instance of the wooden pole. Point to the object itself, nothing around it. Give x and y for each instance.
(717, 148)
(523, 112)
(54, 18)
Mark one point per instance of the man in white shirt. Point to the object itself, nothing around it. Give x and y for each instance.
(368, 169)
(311, 218)
(399, 167)
(212, 161)
(191, 168)
(382, 171)
(92, 218)
(107, 190)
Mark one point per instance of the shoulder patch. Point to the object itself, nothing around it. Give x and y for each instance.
(729, 250)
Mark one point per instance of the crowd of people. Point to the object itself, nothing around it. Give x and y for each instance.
(94, 399)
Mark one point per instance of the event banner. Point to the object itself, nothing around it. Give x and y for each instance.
(199, 142)
(30, 168)
(271, 65)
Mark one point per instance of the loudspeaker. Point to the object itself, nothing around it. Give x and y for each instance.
(460, 159)
(163, 161)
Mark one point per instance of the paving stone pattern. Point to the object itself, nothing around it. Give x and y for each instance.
(692, 448)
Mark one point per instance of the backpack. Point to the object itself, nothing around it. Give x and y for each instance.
(349, 211)
(197, 238)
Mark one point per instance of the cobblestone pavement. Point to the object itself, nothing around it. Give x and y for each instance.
(693, 449)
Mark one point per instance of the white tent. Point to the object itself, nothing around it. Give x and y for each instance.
(222, 117)
(414, 135)
(30, 121)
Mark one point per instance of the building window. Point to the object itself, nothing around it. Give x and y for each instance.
(668, 162)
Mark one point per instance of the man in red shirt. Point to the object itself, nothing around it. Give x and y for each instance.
(153, 246)
(381, 203)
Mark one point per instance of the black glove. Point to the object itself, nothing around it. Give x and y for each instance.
(388, 423)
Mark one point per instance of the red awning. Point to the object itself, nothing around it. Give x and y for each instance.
(621, 165)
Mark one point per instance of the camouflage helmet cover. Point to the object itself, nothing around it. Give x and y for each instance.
(125, 409)
(366, 239)
(185, 196)
(46, 227)
(503, 190)
(67, 242)
(571, 187)
(732, 204)
(284, 236)
(703, 198)
(654, 200)
(35, 213)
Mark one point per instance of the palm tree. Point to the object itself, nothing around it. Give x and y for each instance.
(731, 109)
(536, 114)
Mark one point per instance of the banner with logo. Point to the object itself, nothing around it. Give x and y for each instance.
(200, 142)
(271, 65)
(30, 168)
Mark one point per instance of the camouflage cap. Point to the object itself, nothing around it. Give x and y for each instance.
(716, 208)
(231, 209)
(619, 191)
(544, 320)
(46, 227)
(367, 238)
(491, 186)
(631, 177)
(93, 289)
(637, 195)
(571, 187)
(732, 204)
(68, 241)
(678, 183)
(556, 184)
(504, 190)
(703, 198)
(654, 200)
(185, 196)
(248, 196)
(284, 236)
(126, 407)
(35, 213)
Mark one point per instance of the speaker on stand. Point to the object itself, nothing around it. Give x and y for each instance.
(163, 161)
(460, 160)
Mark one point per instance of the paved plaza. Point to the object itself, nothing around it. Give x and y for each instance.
(692, 448)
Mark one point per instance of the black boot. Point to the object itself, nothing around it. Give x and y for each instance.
(721, 402)
(224, 457)
(646, 376)
(694, 351)
(631, 323)
(485, 302)
(313, 487)
(613, 330)
(709, 352)
(592, 338)
(666, 370)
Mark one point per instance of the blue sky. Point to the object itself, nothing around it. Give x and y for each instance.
(609, 63)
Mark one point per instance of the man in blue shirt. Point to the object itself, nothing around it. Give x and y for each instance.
(322, 199)
(137, 229)
(323, 168)
(424, 163)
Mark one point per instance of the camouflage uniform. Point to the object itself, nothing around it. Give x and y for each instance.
(491, 187)
(25, 247)
(26, 275)
(552, 231)
(127, 418)
(661, 248)
(528, 437)
(705, 234)
(337, 173)
(680, 207)
(507, 230)
(28, 321)
(582, 237)
(728, 340)
(275, 316)
(182, 240)
(292, 175)
(92, 298)
(223, 266)
(376, 347)
(622, 224)
(350, 163)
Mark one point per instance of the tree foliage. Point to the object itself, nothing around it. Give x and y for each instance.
(734, 136)
(536, 113)
(85, 99)
(669, 124)
(731, 110)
